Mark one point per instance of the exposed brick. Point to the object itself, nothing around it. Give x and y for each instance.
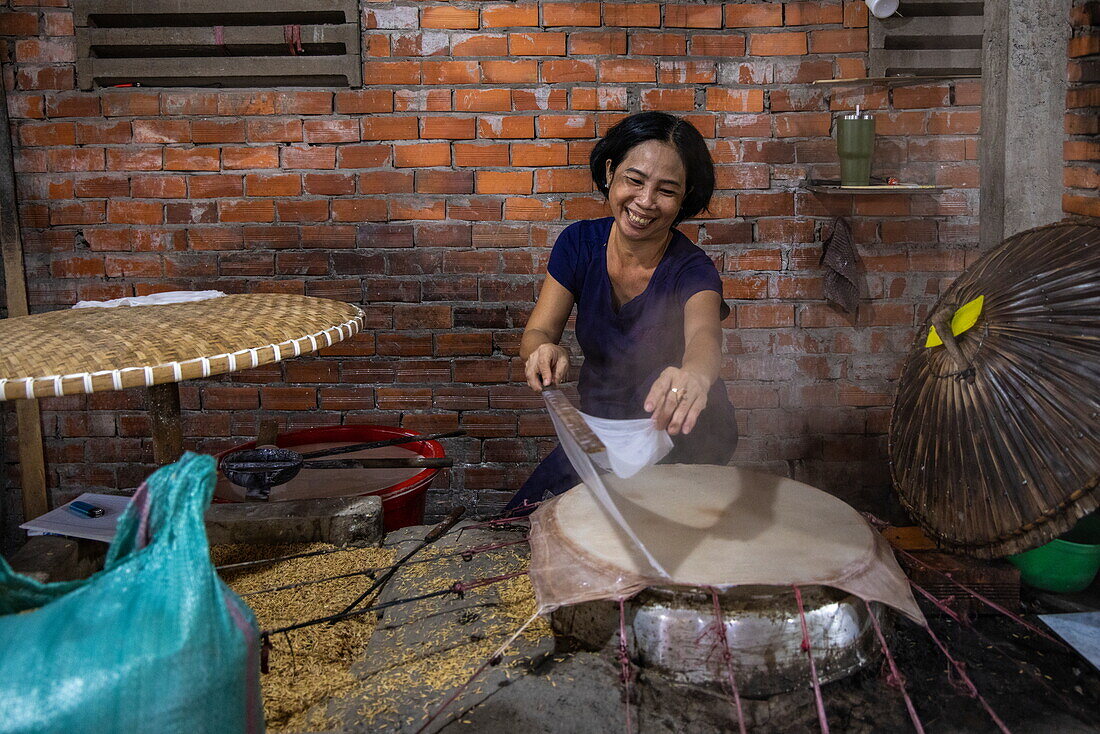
(422, 154)
(479, 44)
(135, 212)
(812, 13)
(764, 316)
(19, 24)
(503, 182)
(838, 41)
(47, 133)
(693, 16)
(528, 100)
(482, 100)
(67, 105)
(214, 186)
(450, 72)
(192, 159)
(358, 210)
(566, 126)
(509, 72)
(45, 77)
(250, 157)
(735, 100)
(451, 128)
(297, 156)
(777, 44)
(536, 44)
(246, 210)
(480, 154)
(274, 130)
(563, 14)
(803, 125)
(538, 154)
(331, 131)
(328, 184)
(723, 45)
(597, 43)
(632, 14)
(556, 71)
(921, 96)
(390, 128)
(627, 70)
(76, 159)
(392, 72)
(515, 15)
(505, 126)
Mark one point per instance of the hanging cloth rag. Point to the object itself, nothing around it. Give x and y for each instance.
(841, 261)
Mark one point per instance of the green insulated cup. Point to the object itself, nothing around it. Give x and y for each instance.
(855, 141)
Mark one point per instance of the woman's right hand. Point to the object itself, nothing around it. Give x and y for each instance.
(548, 365)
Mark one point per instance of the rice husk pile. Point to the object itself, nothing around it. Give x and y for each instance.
(432, 670)
(310, 665)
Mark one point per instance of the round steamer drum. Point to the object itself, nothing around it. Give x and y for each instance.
(750, 536)
(670, 630)
(403, 491)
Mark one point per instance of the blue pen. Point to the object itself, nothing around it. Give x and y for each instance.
(85, 509)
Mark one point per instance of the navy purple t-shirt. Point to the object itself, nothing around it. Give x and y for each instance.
(627, 348)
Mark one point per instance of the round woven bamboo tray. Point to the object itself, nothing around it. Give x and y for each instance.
(94, 349)
(995, 449)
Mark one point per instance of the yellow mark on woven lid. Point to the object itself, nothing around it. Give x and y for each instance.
(963, 319)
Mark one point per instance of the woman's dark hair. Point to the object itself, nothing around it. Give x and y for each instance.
(636, 129)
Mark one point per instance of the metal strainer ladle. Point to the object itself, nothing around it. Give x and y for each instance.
(258, 470)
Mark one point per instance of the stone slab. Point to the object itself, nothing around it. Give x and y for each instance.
(49, 558)
(337, 520)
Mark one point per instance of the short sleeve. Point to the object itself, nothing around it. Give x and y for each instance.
(566, 260)
(699, 274)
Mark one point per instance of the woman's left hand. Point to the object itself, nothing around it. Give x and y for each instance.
(676, 399)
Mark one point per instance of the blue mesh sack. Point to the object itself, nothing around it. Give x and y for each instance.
(155, 642)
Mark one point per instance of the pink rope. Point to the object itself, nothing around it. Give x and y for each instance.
(988, 602)
(813, 668)
(461, 587)
(894, 672)
(469, 553)
(938, 604)
(502, 521)
(727, 658)
(625, 673)
(971, 689)
(493, 659)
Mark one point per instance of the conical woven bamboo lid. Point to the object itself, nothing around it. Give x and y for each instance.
(92, 349)
(1002, 454)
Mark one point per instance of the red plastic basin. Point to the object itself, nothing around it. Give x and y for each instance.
(402, 502)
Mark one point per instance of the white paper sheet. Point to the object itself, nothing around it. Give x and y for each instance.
(63, 521)
(1081, 630)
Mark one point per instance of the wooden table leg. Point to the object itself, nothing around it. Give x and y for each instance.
(32, 467)
(164, 408)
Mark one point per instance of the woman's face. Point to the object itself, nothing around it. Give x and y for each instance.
(646, 190)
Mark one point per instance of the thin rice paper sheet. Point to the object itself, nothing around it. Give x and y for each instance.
(708, 526)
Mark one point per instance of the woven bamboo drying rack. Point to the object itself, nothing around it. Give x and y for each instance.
(77, 351)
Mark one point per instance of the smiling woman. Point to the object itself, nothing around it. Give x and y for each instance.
(649, 303)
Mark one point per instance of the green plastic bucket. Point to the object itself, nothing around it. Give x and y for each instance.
(1066, 564)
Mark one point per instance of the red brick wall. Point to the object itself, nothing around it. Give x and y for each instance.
(1082, 147)
(432, 198)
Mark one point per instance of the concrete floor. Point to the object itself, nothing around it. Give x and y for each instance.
(542, 687)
